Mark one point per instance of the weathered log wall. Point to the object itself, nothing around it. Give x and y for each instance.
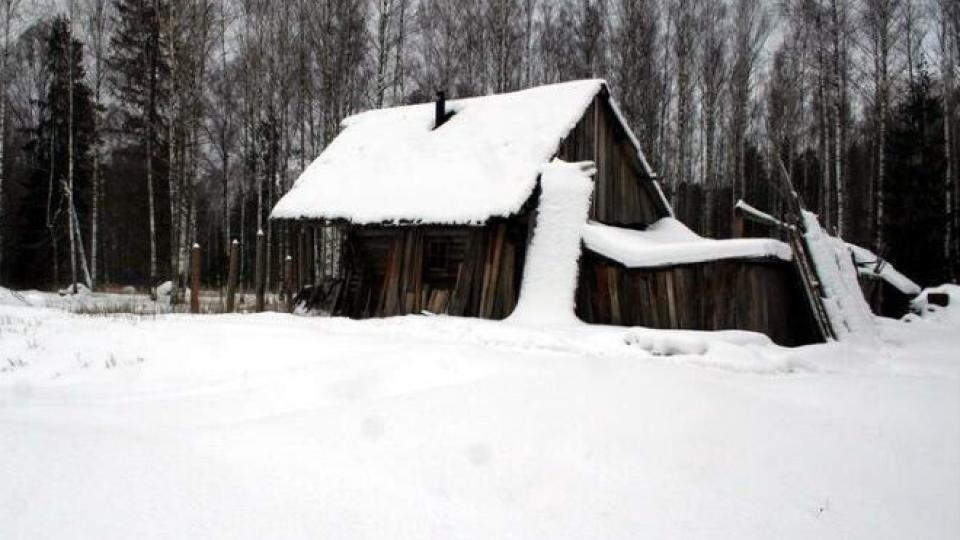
(623, 194)
(468, 271)
(737, 294)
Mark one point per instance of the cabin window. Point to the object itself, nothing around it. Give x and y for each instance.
(443, 252)
(438, 256)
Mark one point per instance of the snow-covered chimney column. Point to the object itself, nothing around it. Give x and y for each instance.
(550, 272)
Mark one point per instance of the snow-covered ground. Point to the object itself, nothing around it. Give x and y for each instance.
(104, 303)
(278, 426)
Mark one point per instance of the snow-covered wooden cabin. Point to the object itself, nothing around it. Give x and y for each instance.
(439, 202)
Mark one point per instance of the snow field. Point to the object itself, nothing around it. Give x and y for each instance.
(272, 425)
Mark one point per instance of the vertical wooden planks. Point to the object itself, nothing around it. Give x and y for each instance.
(738, 294)
(492, 271)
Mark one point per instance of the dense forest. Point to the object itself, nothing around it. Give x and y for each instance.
(130, 129)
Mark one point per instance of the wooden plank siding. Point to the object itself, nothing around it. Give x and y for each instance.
(456, 270)
(757, 295)
(623, 194)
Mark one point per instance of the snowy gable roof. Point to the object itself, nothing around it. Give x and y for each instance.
(669, 242)
(391, 165)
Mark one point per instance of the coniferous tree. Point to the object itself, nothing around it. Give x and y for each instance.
(138, 68)
(45, 215)
(916, 215)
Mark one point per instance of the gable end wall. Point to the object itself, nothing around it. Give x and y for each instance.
(624, 195)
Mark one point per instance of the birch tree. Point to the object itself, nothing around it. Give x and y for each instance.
(713, 78)
(838, 32)
(685, 32)
(945, 11)
(751, 26)
(636, 43)
(878, 23)
(71, 208)
(97, 21)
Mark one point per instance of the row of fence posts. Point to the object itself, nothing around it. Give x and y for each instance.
(233, 274)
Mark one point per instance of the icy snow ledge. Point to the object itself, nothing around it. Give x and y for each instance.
(391, 165)
(550, 272)
(867, 263)
(669, 242)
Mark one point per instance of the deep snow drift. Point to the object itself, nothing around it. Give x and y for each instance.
(277, 426)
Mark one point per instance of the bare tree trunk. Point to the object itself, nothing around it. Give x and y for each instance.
(400, 54)
(98, 18)
(685, 30)
(946, 69)
(175, 141)
(880, 18)
(72, 218)
(384, 14)
(824, 142)
(664, 101)
(150, 133)
(84, 269)
(751, 26)
(174, 203)
(94, 209)
(225, 127)
(838, 100)
(909, 29)
(880, 190)
(51, 215)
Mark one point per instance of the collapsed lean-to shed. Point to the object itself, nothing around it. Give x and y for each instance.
(439, 202)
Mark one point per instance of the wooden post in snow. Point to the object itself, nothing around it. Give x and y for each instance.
(195, 279)
(232, 274)
(260, 274)
(288, 279)
(302, 257)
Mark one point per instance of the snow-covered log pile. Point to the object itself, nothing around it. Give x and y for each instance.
(550, 272)
(669, 242)
(847, 309)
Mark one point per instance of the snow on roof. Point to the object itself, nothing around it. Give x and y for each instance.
(867, 265)
(391, 165)
(668, 242)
